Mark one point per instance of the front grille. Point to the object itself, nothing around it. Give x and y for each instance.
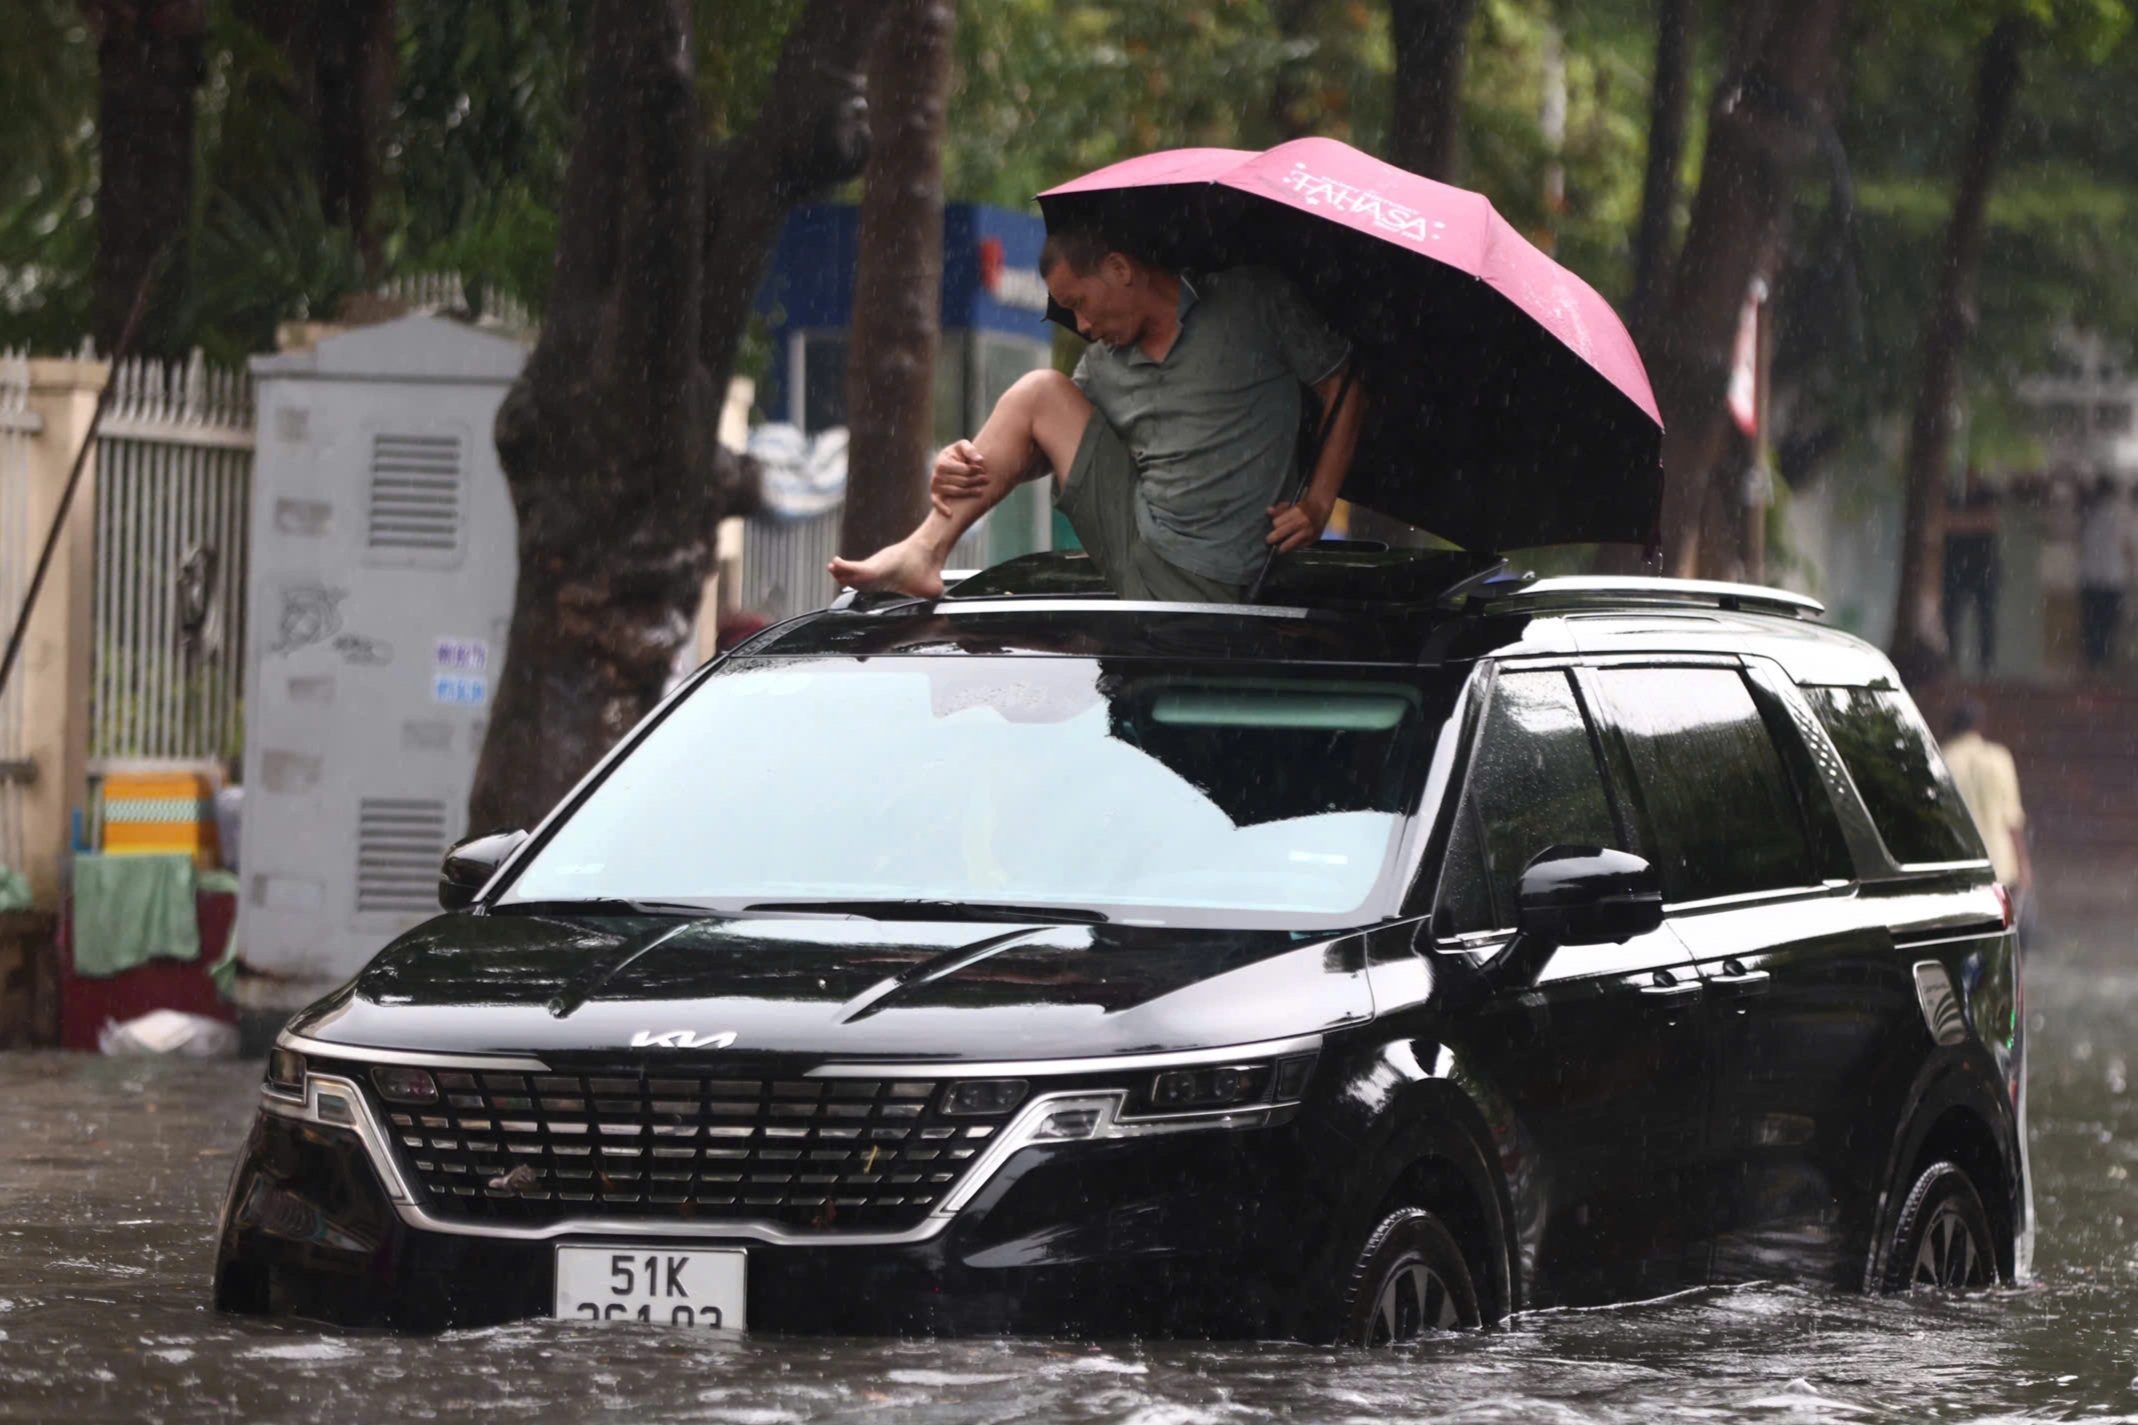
(837, 1155)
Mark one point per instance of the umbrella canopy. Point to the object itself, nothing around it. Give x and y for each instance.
(1507, 406)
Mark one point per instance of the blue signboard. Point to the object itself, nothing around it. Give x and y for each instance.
(990, 284)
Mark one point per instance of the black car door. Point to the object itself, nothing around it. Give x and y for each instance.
(1807, 1004)
(1594, 1072)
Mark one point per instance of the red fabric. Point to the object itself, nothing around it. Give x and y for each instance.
(86, 1003)
(1338, 184)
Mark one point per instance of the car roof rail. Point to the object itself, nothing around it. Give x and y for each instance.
(1621, 591)
(860, 602)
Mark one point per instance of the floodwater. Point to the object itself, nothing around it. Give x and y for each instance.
(111, 1173)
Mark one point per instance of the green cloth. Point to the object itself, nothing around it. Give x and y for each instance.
(223, 972)
(1214, 427)
(131, 909)
(14, 889)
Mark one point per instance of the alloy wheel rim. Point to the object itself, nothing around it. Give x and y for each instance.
(1413, 1300)
(1948, 1255)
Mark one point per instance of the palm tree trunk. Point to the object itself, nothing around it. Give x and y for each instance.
(1919, 647)
(148, 66)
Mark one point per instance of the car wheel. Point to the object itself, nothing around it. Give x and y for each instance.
(1941, 1241)
(1408, 1279)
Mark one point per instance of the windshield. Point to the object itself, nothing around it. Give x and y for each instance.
(1154, 795)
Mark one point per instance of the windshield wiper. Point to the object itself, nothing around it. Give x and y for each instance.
(604, 905)
(938, 910)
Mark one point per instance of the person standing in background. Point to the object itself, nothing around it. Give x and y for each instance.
(2105, 559)
(1971, 569)
(1989, 784)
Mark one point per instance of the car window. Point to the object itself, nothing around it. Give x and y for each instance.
(1717, 815)
(1902, 780)
(1533, 783)
(1239, 794)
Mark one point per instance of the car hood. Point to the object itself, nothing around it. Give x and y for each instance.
(837, 988)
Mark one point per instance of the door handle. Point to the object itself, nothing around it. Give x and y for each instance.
(1742, 982)
(1669, 986)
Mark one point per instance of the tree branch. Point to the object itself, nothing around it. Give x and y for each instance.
(811, 135)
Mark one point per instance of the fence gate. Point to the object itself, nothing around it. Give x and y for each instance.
(19, 425)
(174, 481)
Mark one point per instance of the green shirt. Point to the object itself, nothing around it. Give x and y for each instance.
(1214, 427)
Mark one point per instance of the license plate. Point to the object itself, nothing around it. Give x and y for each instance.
(697, 1287)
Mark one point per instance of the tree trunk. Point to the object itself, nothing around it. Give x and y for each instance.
(605, 435)
(1293, 111)
(353, 91)
(812, 134)
(1919, 647)
(898, 280)
(1429, 37)
(340, 82)
(148, 65)
(1666, 150)
(1764, 120)
(608, 438)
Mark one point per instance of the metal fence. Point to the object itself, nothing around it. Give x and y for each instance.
(19, 426)
(174, 483)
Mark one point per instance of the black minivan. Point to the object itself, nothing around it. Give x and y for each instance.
(1421, 946)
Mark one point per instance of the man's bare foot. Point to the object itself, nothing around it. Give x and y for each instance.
(901, 568)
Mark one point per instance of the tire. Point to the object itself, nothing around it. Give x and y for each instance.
(1408, 1279)
(1941, 1241)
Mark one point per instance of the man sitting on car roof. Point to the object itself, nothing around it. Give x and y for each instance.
(1171, 445)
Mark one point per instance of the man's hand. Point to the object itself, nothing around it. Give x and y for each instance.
(1293, 526)
(960, 474)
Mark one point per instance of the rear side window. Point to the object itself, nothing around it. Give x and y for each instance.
(1717, 815)
(1533, 783)
(1902, 780)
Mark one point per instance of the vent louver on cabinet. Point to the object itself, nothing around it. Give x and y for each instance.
(399, 847)
(414, 506)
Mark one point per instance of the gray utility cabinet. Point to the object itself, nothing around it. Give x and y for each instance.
(383, 559)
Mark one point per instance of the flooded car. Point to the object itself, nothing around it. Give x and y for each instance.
(1423, 946)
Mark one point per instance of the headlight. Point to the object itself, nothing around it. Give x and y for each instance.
(1214, 1086)
(285, 1073)
(1210, 1088)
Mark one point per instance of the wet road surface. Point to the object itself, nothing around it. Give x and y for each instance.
(111, 1174)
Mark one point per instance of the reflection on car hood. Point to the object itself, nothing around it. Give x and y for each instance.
(840, 988)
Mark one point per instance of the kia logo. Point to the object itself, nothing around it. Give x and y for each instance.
(682, 1039)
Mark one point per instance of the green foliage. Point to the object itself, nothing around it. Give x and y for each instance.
(486, 106)
(1603, 54)
(485, 111)
(1048, 89)
(738, 48)
(47, 173)
(262, 251)
(2058, 247)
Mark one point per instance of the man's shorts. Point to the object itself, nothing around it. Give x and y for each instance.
(1099, 500)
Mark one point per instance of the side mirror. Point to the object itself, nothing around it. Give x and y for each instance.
(1587, 895)
(470, 864)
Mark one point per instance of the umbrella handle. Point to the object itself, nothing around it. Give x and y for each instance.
(1299, 490)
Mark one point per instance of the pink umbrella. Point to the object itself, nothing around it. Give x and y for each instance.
(1507, 404)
